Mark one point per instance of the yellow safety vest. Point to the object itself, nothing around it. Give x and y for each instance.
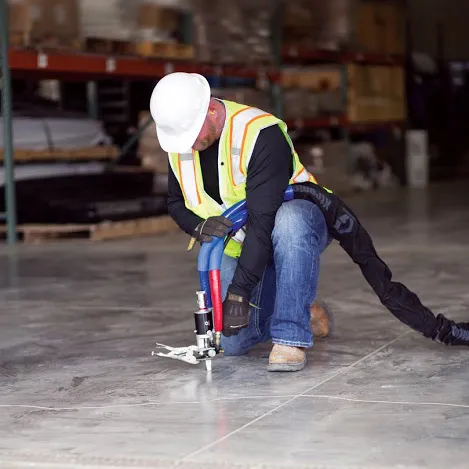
(242, 127)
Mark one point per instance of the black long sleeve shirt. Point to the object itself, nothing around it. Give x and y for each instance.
(269, 172)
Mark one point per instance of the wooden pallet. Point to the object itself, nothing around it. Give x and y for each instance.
(38, 234)
(164, 50)
(105, 152)
(24, 40)
(100, 45)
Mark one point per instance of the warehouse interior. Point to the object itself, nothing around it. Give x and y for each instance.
(95, 272)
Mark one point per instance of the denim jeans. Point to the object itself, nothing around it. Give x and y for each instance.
(288, 286)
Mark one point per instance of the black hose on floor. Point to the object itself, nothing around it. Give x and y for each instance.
(405, 305)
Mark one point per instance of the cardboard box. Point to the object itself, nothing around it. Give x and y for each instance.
(378, 81)
(149, 150)
(380, 27)
(151, 16)
(53, 22)
(320, 78)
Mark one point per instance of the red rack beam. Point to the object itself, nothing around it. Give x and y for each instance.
(294, 53)
(317, 123)
(54, 63)
(340, 121)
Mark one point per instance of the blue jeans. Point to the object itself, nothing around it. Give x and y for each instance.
(288, 285)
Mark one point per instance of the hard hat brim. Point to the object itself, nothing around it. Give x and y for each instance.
(182, 142)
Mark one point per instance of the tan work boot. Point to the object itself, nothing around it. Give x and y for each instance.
(319, 320)
(286, 358)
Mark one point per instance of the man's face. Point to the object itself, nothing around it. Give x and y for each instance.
(207, 135)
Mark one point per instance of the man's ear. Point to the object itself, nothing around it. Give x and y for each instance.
(212, 107)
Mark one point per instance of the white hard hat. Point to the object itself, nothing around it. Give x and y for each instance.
(179, 105)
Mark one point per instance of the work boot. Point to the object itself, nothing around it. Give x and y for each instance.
(319, 320)
(286, 358)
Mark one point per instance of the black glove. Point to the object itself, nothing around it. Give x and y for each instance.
(212, 226)
(450, 333)
(235, 314)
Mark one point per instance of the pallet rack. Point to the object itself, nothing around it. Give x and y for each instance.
(90, 67)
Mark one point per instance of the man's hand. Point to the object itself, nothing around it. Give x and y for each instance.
(212, 226)
(235, 314)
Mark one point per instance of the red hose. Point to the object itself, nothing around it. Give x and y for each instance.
(217, 302)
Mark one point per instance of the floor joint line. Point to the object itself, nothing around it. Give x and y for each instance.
(257, 419)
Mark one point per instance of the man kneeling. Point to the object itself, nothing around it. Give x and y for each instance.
(221, 152)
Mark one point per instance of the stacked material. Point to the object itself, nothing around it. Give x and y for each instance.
(156, 23)
(318, 24)
(48, 23)
(136, 20)
(109, 19)
(380, 27)
(376, 93)
(328, 161)
(248, 96)
(150, 152)
(228, 31)
(362, 25)
(312, 92)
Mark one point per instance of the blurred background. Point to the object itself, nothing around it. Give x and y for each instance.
(374, 93)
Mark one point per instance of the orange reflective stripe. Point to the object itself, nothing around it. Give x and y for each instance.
(181, 182)
(196, 182)
(181, 179)
(297, 174)
(246, 128)
(231, 139)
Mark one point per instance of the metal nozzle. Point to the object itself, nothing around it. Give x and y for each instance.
(201, 300)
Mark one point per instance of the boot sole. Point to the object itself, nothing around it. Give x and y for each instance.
(286, 366)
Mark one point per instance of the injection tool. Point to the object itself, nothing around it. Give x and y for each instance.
(208, 318)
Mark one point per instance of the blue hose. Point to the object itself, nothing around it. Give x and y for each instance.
(211, 254)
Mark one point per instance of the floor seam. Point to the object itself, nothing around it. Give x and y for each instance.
(275, 409)
(378, 401)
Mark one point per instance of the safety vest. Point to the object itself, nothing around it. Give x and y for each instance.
(242, 127)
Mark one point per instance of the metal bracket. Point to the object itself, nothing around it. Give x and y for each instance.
(191, 354)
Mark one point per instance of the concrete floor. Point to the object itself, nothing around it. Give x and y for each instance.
(79, 387)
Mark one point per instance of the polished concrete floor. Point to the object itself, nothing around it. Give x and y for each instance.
(79, 387)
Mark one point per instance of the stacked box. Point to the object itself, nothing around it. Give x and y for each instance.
(137, 20)
(46, 23)
(361, 25)
(299, 103)
(380, 27)
(228, 31)
(313, 91)
(149, 150)
(318, 24)
(157, 23)
(376, 93)
(248, 96)
(108, 19)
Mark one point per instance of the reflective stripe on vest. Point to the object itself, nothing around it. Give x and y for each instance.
(303, 176)
(188, 178)
(240, 155)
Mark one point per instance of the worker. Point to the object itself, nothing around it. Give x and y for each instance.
(221, 152)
